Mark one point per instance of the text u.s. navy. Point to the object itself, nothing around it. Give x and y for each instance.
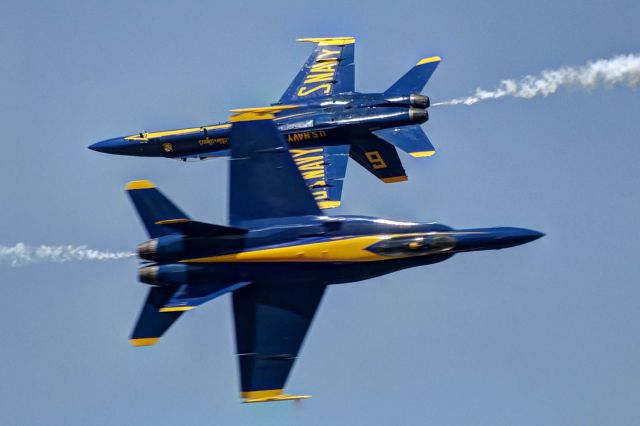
(320, 109)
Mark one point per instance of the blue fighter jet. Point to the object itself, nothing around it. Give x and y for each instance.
(277, 255)
(323, 119)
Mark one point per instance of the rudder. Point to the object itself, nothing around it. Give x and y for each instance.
(416, 78)
(152, 206)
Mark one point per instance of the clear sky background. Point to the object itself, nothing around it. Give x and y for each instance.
(546, 333)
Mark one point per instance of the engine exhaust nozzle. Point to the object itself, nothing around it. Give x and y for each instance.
(418, 115)
(418, 100)
(148, 250)
(148, 274)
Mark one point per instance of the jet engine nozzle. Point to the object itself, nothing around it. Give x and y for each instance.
(166, 275)
(162, 248)
(148, 274)
(148, 250)
(418, 115)
(418, 100)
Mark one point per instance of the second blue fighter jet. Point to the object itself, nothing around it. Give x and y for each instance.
(324, 121)
(276, 257)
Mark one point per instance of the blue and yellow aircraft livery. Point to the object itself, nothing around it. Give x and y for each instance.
(277, 255)
(324, 121)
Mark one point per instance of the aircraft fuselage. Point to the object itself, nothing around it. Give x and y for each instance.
(328, 121)
(333, 250)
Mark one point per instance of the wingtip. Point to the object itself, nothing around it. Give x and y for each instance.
(139, 184)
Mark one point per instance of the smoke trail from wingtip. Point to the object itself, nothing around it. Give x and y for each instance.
(21, 254)
(619, 70)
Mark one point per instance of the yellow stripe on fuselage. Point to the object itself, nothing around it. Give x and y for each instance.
(176, 132)
(338, 250)
(151, 135)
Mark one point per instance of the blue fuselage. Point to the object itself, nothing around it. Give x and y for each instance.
(329, 250)
(328, 121)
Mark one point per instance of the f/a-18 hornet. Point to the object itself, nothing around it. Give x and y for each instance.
(276, 257)
(323, 119)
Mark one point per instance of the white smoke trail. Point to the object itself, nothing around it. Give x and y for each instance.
(21, 254)
(621, 69)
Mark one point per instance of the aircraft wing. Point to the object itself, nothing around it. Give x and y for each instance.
(328, 71)
(271, 323)
(323, 170)
(378, 157)
(264, 181)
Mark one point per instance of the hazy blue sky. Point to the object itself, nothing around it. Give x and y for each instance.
(546, 333)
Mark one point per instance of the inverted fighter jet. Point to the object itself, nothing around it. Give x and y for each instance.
(276, 257)
(324, 121)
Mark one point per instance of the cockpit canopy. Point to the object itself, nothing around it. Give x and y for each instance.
(414, 245)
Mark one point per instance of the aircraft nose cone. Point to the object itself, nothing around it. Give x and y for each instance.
(510, 237)
(110, 146)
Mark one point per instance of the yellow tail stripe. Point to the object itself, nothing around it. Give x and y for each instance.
(429, 60)
(148, 341)
(139, 184)
(422, 154)
(395, 179)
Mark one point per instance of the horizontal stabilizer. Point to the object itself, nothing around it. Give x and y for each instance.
(152, 207)
(379, 157)
(410, 139)
(416, 78)
(152, 323)
(201, 229)
(188, 297)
